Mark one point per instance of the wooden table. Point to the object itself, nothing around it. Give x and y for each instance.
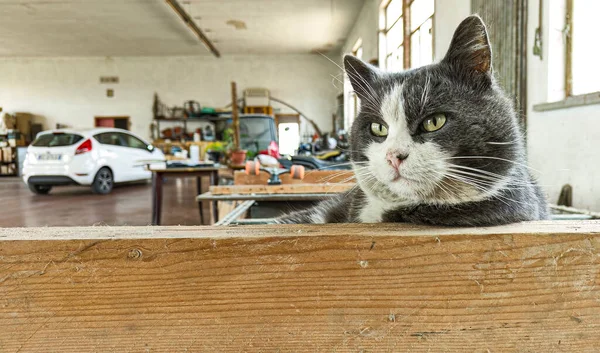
(302, 195)
(527, 287)
(158, 176)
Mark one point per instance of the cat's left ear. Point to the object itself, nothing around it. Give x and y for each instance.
(470, 47)
(361, 75)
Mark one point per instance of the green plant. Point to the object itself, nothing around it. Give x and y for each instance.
(216, 146)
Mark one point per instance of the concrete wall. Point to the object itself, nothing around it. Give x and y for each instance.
(366, 28)
(563, 144)
(67, 90)
(448, 14)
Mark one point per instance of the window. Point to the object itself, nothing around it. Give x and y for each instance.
(56, 140)
(405, 34)
(352, 104)
(133, 142)
(582, 75)
(110, 138)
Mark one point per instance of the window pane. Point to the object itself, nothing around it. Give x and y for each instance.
(109, 138)
(420, 11)
(421, 42)
(381, 19)
(56, 140)
(134, 142)
(394, 61)
(392, 13)
(586, 76)
(394, 37)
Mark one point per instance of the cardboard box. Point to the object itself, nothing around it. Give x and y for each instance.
(23, 123)
(8, 121)
(7, 154)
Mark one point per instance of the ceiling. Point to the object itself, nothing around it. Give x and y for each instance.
(150, 27)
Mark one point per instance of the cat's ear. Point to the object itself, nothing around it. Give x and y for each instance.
(470, 47)
(361, 75)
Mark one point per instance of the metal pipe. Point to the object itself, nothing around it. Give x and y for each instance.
(192, 25)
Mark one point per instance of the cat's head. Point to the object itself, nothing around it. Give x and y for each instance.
(443, 133)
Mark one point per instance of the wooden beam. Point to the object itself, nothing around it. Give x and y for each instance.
(301, 288)
(281, 189)
(185, 17)
(311, 177)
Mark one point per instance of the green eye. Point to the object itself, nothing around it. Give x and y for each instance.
(434, 122)
(379, 130)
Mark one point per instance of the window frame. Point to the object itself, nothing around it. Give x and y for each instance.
(567, 99)
(350, 97)
(407, 33)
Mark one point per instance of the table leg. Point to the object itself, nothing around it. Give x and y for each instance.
(214, 180)
(157, 185)
(200, 203)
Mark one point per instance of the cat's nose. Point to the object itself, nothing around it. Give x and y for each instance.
(394, 158)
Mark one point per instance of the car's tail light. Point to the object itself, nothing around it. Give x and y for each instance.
(86, 146)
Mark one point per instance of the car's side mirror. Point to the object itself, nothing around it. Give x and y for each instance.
(150, 148)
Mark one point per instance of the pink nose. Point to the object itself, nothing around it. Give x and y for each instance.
(394, 158)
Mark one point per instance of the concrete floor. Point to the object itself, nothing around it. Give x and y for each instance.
(78, 206)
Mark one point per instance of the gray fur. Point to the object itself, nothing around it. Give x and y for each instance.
(477, 175)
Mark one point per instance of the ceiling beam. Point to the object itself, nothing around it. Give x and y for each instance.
(192, 25)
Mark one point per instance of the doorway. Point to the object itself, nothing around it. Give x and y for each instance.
(119, 122)
(288, 131)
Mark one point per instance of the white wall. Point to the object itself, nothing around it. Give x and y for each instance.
(448, 14)
(563, 144)
(67, 90)
(366, 28)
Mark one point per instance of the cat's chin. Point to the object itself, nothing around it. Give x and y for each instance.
(396, 191)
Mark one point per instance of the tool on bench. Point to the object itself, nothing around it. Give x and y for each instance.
(254, 168)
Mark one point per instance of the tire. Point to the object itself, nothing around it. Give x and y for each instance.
(40, 189)
(103, 182)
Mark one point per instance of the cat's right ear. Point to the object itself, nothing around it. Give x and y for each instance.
(361, 75)
(470, 47)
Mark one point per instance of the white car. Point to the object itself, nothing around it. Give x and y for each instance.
(99, 157)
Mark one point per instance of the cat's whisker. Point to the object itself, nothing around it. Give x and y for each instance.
(493, 179)
(497, 195)
(502, 143)
(485, 183)
(495, 158)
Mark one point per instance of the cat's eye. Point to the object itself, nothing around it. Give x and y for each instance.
(379, 130)
(434, 122)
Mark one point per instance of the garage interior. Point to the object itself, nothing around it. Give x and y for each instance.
(148, 146)
(164, 71)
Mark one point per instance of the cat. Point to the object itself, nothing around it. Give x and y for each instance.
(438, 145)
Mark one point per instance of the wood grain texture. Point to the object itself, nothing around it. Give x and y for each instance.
(311, 177)
(280, 189)
(333, 288)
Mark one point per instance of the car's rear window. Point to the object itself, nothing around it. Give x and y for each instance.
(56, 140)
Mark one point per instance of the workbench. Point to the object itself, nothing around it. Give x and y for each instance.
(273, 200)
(531, 287)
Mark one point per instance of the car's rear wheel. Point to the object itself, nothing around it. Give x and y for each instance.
(103, 182)
(40, 189)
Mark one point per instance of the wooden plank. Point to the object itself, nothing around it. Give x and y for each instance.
(207, 196)
(280, 189)
(311, 177)
(300, 288)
